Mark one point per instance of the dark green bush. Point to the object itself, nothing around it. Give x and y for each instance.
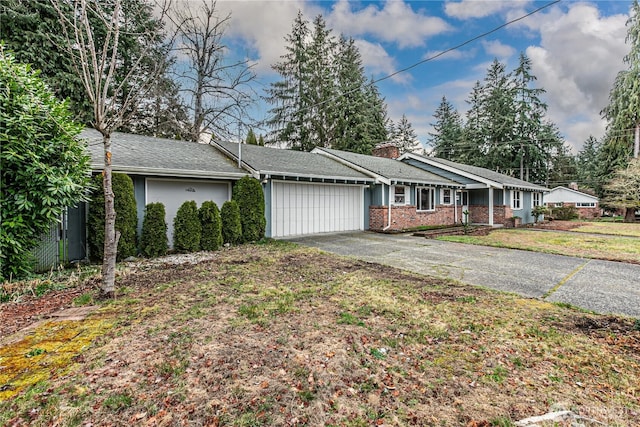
(211, 222)
(153, 240)
(186, 228)
(247, 192)
(564, 213)
(126, 217)
(231, 225)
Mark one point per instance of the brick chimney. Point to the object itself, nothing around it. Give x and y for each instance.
(389, 151)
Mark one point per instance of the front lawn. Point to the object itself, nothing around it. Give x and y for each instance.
(585, 244)
(615, 228)
(280, 335)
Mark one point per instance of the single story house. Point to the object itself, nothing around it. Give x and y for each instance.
(587, 205)
(490, 197)
(166, 170)
(322, 191)
(402, 196)
(305, 193)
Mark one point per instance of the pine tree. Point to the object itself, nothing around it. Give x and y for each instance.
(251, 138)
(290, 115)
(404, 137)
(447, 138)
(623, 111)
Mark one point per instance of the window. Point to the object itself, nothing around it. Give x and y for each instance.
(426, 199)
(462, 198)
(516, 199)
(585, 205)
(400, 195)
(558, 205)
(445, 196)
(536, 199)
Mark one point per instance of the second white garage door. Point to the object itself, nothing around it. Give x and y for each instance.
(300, 208)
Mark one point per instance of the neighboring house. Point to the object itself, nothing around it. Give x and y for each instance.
(588, 206)
(305, 193)
(490, 197)
(402, 196)
(166, 171)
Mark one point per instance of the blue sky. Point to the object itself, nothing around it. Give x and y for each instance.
(576, 49)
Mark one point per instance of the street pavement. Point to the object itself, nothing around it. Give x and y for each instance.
(602, 286)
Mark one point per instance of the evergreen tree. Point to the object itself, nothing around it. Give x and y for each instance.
(324, 98)
(211, 226)
(447, 137)
(404, 137)
(471, 150)
(623, 112)
(587, 165)
(497, 119)
(290, 115)
(251, 138)
(153, 238)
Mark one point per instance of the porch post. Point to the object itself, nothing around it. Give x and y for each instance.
(491, 206)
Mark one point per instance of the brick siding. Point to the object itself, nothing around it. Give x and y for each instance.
(405, 217)
(479, 214)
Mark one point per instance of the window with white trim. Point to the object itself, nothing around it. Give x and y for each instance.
(425, 199)
(400, 196)
(445, 196)
(516, 199)
(558, 204)
(536, 199)
(585, 205)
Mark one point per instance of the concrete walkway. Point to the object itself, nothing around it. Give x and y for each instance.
(601, 286)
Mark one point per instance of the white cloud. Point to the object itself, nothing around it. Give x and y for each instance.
(392, 21)
(498, 49)
(378, 61)
(468, 9)
(576, 63)
(438, 55)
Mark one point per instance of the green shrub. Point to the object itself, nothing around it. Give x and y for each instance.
(247, 192)
(153, 240)
(43, 167)
(186, 228)
(564, 213)
(231, 225)
(211, 222)
(126, 217)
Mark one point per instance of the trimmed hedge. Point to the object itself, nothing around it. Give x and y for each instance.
(247, 192)
(186, 228)
(126, 217)
(231, 225)
(211, 222)
(153, 239)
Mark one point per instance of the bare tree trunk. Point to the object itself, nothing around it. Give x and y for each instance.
(630, 215)
(111, 237)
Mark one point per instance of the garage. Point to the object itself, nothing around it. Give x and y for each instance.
(308, 208)
(173, 193)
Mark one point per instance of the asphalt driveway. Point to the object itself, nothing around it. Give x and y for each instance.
(601, 286)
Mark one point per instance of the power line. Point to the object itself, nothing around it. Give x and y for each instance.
(431, 58)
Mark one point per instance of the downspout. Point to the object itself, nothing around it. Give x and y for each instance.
(491, 205)
(388, 208)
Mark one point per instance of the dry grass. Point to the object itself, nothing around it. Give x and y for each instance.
(285, 336)
(615, 248)
(614, 228)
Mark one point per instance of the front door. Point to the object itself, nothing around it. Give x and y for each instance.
(462, 199)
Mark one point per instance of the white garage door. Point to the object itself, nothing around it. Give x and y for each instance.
(173, 193)
(300, 208)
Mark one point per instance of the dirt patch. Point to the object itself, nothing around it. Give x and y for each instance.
(558, 225)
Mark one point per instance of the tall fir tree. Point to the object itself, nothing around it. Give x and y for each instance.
(622, 140)
(405, 138)
(587, 165)
(447, 137)
(290, 115)
(323, 97)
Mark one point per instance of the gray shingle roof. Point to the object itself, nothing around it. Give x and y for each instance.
(137, 154)
(276, 161)
(393, 170)
(487, 174)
